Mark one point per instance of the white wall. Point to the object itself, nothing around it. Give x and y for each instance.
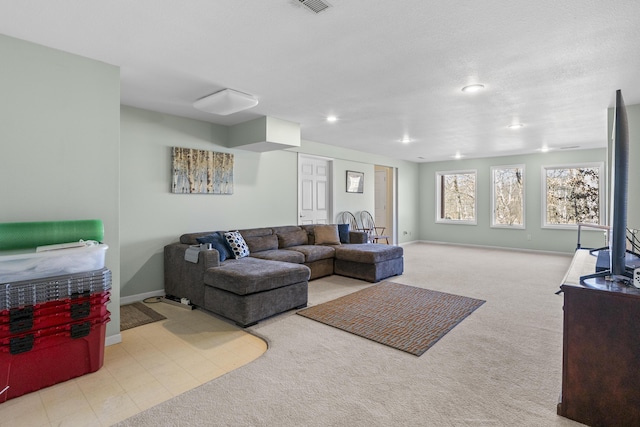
(60, 143)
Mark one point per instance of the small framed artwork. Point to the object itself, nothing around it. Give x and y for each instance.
(355, 182)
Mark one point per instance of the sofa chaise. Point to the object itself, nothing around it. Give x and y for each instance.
(249, 275)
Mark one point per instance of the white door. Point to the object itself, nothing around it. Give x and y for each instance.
(314, 190)
(380, 214)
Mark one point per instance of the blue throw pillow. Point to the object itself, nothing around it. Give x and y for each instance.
(343, 232)
(219, 243)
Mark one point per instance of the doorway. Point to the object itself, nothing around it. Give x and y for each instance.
(385, 206)
(315, 190)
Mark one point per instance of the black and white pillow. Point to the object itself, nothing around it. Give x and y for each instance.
(238, 245)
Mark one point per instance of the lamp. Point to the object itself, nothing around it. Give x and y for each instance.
(225, 102)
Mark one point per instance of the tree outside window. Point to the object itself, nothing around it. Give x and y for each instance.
(573, 194)
(456, 193)
(507, 196)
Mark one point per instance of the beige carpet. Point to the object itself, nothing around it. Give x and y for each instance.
(404, 317)
(499, 367)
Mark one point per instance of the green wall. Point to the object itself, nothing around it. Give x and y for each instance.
(533, 237)
(70, 151)
(265, 190)
(633, 201)
(60, 143)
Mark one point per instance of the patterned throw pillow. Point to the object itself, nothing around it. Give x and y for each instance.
(238, 245)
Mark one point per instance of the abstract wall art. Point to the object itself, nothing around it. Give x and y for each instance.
(201, 171)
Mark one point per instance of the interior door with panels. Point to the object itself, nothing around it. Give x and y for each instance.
(314, 190)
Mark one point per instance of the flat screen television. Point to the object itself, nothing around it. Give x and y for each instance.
(620, 261)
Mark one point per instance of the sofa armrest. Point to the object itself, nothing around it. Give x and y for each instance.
(358, 237)
(185, 279)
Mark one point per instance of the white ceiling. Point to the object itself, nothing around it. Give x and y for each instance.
(385, 68)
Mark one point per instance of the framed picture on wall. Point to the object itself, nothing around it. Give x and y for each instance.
(355, 182)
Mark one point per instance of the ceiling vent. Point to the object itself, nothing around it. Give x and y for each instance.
(316, 6)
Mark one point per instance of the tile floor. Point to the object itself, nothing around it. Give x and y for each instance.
(153, 363)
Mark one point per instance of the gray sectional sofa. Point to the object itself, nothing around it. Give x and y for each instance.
(274, 277)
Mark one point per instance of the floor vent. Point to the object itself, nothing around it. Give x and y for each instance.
(316, 6)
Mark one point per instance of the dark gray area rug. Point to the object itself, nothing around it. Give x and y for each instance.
(403, 317)
(137, 314)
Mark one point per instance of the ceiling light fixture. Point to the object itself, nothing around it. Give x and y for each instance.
(405, 139)
(473, 88)
(225, 102)
(332, 119)
(457, 155)
(516, 126)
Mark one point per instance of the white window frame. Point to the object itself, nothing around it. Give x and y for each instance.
(601, 192)
(439, 219)
(493, 198)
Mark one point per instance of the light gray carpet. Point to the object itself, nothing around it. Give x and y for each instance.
(500, 367)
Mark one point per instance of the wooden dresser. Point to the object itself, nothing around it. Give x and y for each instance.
(601, 350)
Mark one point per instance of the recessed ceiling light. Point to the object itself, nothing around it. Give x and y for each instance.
(473, 88)
(457, 155)
(544, 149)
(516, 126)
(405, 139)
(332, 119)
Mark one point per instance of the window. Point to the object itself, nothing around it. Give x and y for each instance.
(456, 197)
(572, 194)
(507, 196)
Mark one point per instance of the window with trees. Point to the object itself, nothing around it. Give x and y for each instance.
(573, 194)
(507, 196)
(456, 197)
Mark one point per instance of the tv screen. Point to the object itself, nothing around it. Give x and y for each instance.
(619, 261)
(620, 175)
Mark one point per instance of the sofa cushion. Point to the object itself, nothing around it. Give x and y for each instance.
(314, 252)
(368, 253)
(255, 232)
(218, 242)
(283, 255)
(262, 243)
(293, 238)
(285, 229)
(250, 275)
(238, 245)
(326, 235)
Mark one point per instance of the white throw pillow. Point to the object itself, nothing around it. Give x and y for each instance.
(238, 245)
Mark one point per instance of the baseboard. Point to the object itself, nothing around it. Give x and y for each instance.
(504, 248)
(113, 339)
(409, 243)
(139, 297)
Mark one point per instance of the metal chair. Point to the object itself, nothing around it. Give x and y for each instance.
(369, 225)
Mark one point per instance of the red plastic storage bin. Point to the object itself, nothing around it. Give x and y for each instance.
(32, 361)
(54, 313)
